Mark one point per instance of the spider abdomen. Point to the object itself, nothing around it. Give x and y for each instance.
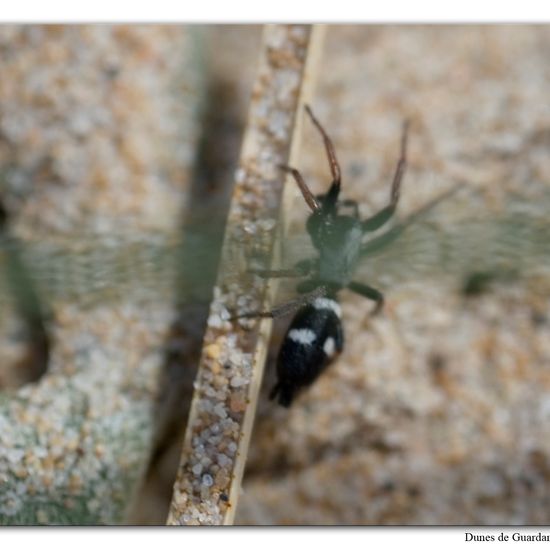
(313, 339)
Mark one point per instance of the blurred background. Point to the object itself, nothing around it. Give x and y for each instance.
(118, 146)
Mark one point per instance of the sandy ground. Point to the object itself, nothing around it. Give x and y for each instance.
(437, 410)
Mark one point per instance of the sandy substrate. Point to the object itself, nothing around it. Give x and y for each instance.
(437, 412)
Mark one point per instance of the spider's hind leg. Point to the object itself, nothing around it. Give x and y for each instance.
(286, 308)
(370, 293)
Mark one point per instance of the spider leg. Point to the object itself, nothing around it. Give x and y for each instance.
(380, 218)
(401, 165)
(286, 308)
(391, 235)
(369, 293)
(307, 194)
(331, 154)
(301, 269)
(277, 273)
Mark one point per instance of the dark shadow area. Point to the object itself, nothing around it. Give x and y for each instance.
(33, 333)
(202, 231)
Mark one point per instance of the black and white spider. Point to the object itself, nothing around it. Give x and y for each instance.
(315, 335)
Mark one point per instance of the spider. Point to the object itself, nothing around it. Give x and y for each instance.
(315, 335)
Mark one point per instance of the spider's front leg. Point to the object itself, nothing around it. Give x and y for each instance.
(329, 148)
(310, 199)
(380, 218)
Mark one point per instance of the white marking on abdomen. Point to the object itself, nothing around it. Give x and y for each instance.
(303, 336)
(328, 347)
(328, 303)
